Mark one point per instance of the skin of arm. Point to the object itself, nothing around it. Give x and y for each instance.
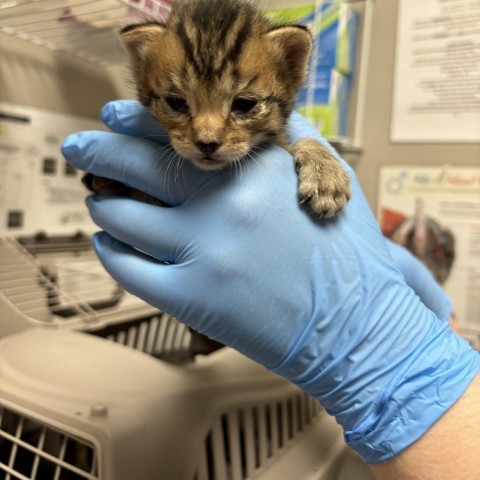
(450, 450)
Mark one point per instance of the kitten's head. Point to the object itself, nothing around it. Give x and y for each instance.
(218, 76)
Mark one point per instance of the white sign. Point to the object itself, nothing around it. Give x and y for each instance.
(435, 211)
(437, 72)
(39, 191)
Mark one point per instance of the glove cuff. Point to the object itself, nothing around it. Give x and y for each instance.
(434, 381)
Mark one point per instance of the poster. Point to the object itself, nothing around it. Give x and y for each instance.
(435, 211)
(436, 95)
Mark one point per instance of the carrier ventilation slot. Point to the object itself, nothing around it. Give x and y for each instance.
(31, 450)
(160, 336)
(243, 441)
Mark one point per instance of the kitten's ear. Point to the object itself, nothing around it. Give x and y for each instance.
(296, 43)
(139, 39)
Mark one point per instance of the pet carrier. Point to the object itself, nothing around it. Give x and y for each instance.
(75, 406)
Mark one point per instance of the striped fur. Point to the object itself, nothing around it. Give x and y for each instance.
(208, 54)
(222, 79)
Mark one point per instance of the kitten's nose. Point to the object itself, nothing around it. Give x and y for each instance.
(208, 148)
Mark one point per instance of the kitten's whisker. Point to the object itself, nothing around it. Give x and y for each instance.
(159, 161)
(235, 167)
(253, 156)
(174, 170)
(161, 135)
(171, 171)
(163, 150)
(238, 165)
(178, 174)
(170, 163)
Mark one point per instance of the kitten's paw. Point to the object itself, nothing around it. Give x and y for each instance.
(323, 185)
(107, 186)
(103, 186)
(327, 195)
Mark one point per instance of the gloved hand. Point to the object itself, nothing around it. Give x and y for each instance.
(318, 302)
(421, 280)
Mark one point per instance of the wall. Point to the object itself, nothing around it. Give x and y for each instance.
(377, 148)
(31, 75)
(34, 76)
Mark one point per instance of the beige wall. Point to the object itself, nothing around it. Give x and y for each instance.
(34, 76)
(377, 147)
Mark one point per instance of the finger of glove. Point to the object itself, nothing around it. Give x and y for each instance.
(136, 162)
(139, 274)
(130, 117)
(155, 230)
(421, 281)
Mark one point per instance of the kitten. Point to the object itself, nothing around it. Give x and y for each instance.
(222, 79)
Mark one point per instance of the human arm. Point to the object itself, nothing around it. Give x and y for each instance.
(449, 450)
(421, 281)
(318, 302)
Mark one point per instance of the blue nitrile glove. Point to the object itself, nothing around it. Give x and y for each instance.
(319, 303)
(421, 280)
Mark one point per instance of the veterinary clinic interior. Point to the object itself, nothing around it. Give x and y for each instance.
(97, 384)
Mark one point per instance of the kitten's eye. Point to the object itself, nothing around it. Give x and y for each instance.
(243, 105)
(178, 104)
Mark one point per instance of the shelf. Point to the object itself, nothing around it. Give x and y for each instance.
(84, 29)
(349, 152)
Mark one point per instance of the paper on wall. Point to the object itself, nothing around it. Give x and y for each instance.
(436, 96)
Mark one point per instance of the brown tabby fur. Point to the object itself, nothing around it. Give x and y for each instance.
(222, 79)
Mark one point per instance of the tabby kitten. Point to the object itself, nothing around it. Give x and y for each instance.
(222, 79)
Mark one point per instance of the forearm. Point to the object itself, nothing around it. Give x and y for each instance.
(448, 451)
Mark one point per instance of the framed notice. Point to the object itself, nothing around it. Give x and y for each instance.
(436, 95)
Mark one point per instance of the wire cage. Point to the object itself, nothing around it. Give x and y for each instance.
(86, 29)
(59, 282)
